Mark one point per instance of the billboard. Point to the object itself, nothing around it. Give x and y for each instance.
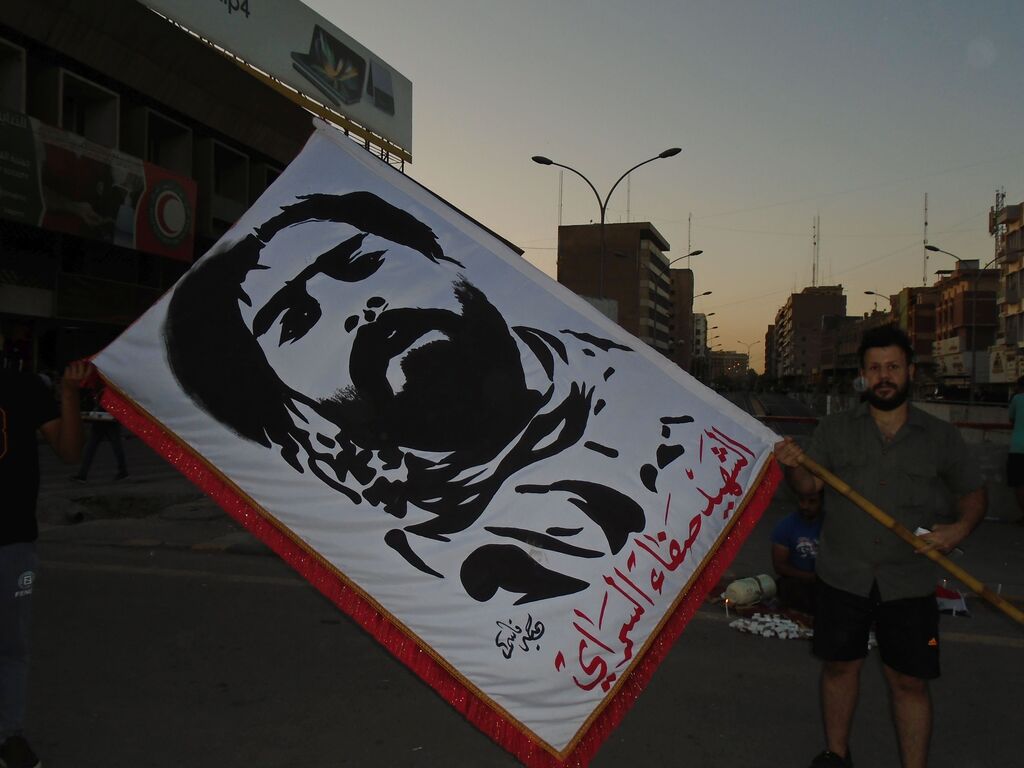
(60, 181)
(297, 46)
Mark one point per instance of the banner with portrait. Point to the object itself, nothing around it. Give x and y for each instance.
(521, 501)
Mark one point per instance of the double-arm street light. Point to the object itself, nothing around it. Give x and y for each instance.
(974, 315)
(603, 204)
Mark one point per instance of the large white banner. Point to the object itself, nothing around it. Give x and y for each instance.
(297, 46)
(514, 495)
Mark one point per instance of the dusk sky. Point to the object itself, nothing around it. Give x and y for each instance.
(784, 111)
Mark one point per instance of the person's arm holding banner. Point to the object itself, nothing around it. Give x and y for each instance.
(944, 537)
(64, 434)
(788, 453)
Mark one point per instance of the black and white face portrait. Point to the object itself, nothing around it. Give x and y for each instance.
(339, 333)
(417, 354)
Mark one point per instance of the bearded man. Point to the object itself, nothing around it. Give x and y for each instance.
(896, 456)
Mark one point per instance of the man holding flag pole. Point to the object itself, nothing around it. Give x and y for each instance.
(893, 454)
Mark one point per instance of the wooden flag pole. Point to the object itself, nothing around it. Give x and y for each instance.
(916, 542)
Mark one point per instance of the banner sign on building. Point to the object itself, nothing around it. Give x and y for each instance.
(297, 46)
(521, 501)
(58, 180)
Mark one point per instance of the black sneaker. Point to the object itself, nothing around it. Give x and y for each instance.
(831, 760)
(120, 476)
(78, 479)
(16, 753)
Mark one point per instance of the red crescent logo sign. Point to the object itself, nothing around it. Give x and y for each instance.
(169, 214)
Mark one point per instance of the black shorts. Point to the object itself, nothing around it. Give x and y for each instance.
(1014, 469)
(907, 630)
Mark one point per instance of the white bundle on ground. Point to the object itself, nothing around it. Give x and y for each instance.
(772, 626)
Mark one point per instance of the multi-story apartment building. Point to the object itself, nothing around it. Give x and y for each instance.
(965, 324)
(770, 354)
(682, 349)
(698, 363)
(913, 310)
(1006, 225)
(630, 269)
(798, 330)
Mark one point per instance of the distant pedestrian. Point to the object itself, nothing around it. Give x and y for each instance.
(104, 428)
(25, 407)
(895, 455)
(794, 553)
(1015, 457)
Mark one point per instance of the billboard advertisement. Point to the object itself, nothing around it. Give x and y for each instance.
(297, 46)
(59, 181)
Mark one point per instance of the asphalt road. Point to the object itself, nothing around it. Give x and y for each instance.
(162, 657)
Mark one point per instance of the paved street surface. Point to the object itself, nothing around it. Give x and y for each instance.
(165, 636)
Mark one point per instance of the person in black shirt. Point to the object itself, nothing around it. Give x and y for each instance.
(26, 406)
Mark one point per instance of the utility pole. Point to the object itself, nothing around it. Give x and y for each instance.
(561, 175)
(815, 242)
(924, 265)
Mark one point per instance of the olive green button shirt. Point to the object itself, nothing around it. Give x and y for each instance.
(905, 478)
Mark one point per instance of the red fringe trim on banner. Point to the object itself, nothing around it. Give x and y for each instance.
(407, 650)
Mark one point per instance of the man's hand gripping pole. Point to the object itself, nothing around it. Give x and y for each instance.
(916, 542)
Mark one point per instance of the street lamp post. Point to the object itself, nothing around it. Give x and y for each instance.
(876, 293)
(974, 315)
(698, 252)
(603, 204)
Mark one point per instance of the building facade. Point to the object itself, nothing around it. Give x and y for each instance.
(1006, 225)
(629, 268)
(966, 321)
(798, 332)
(699, 361)
(682, 323)
(913, 310)
(129, 147)
(771, 361)
(728, 368)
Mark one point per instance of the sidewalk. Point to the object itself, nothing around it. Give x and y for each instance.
(157, 507)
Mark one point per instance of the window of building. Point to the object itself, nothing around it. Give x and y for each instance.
(89, 109)
(168, 143)
(12, 76)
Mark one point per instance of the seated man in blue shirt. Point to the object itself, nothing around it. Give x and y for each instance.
(794, 551)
